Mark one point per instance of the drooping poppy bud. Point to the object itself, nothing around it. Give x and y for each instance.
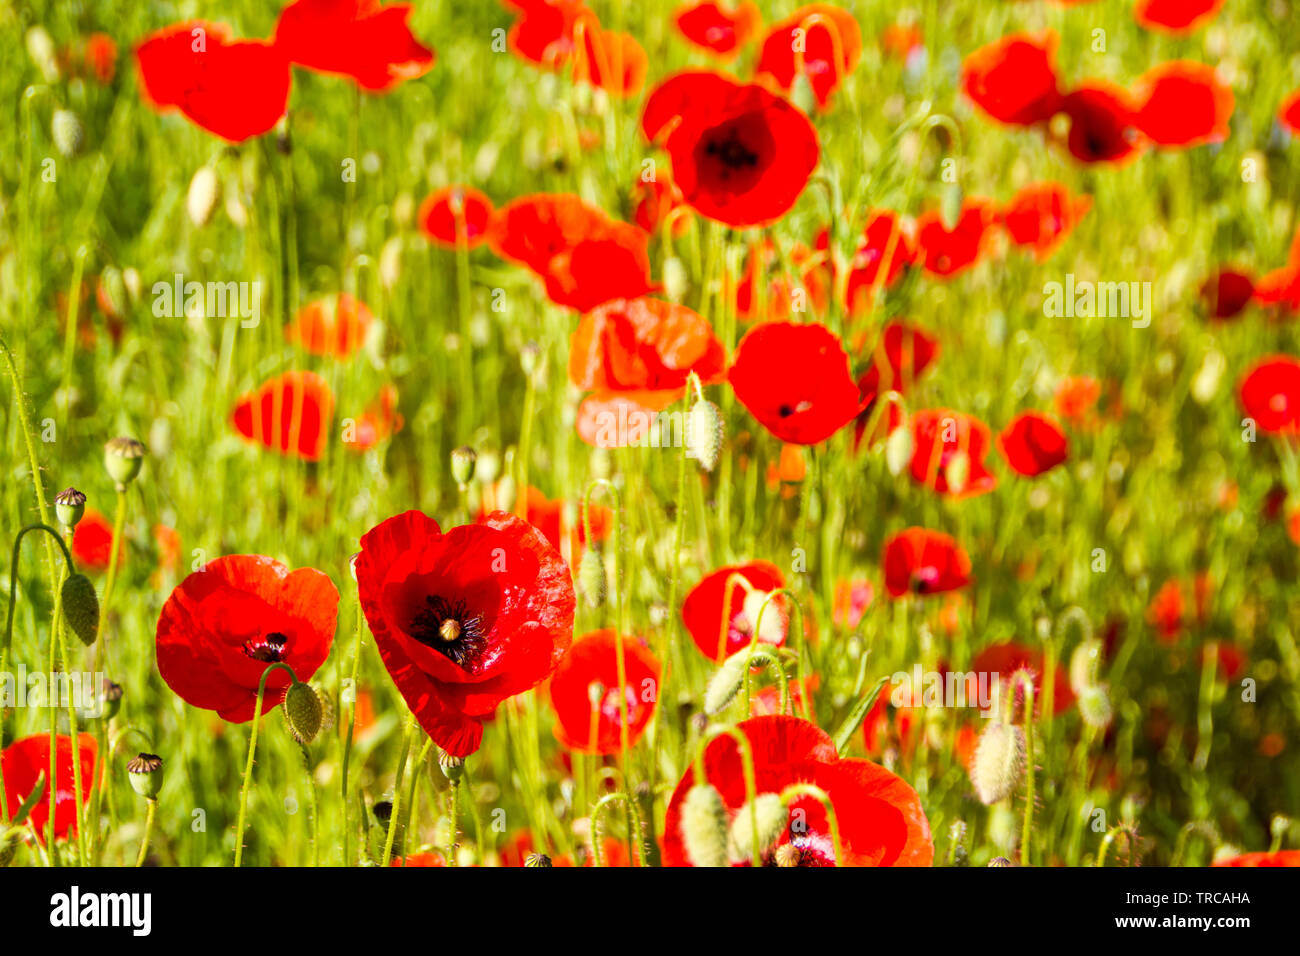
(704, 826)
(81, 607)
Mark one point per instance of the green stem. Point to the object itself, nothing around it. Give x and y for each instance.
(252, 752)
(395, 815)
(148, 831)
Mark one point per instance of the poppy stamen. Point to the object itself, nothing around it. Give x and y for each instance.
(450, 630)
(269, 648)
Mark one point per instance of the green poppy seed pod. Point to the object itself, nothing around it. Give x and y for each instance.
(1000, 861)
(202, 196)
(787, 855)
(81, 607)
(303, 713)
(675, 280)
(123, 458)
(111, 695)
(999, 761)
(591, 577)
(67, 133)
(537, 859)
(145, 773)
(898, 450)
(704, 826)
(69, 506)
(1094, 707)
(957, 472)
(704, 431)
(726, 683)
(950, 205)
(463, 460)
(453, 768)
(772, 819)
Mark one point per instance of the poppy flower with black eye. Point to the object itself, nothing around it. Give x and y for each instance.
(289, 413)
(27, 761)
(543, 34)
(1003, 660)
(585, 693)
(948, 454)
(355, 38)
(465, 619)
(334, 327)
(1181, 103)
(584, 257)
(885, 235)
(831, 47)
(704, 606)
(609, 61)
(1033, 444)
(234, 89)
(1288, 113)
(741, 154)
(1270, 395)
(1103, 124)
(1014, 79)
(455, 215)
(92, 542)
(716, 28)
(921, 561)
(227, 622)
(946, 252)
(1041, 215)
(880, 818)
(1275, 858)
(1227, 293)
(1176, 16)
(795, 380)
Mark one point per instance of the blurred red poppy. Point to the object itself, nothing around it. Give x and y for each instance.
(1275, 858)
(901, 355)
(612, 853)
(231, 88)
(1102, 124)
(946, 252)
(1176, 16)
(1289, 112)
(455, 215)
(1033, 444)
(1270, 394)
(466, 619)
(609, 61)
(1041, 215)
(379, 421)
(566, 535)
(1075, 397)
(658, 201)
(880, 818)
(1181, 103)
(921, 561)
(419, 859)
(767, 700)
(1005, 659)
(704, 606)
(716, 28)
(741, 155)
(901, 40)
(1227, 293)
(360, 39)
(92, 542)
(948, 454)
(27, 761)
(885, 237)
(101, 57)
(584, 692)
(820, 41)
(290, 414)
(543, 34)
(795, 380)
(333, 327)
(1013, 79)
(228, 621)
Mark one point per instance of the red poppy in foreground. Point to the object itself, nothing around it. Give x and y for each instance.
(1005, 659)
(465, 619)
(1289, 112)
(27, 760)
(921, 561)
(1227, 293)
(356, 38)
(1102, 124)
(741, 155)
(713, 27)
(1183, 104)
(455, 215)
(1276, 858)
(881, 821)
(334, 327)
(1176, 16)
(795, 380)
(946, 252)
(1014, 79)
(231, 88)
(1041, 215)
(226, 623)
(830, 49)
(585, 693)
(1270, 394)
(1033, 444)
(948, 454)
(92, 542)
(290, 414)
(704, 606)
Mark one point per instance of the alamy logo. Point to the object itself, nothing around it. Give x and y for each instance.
(236, 300)
(1085, 299)
(75, 909)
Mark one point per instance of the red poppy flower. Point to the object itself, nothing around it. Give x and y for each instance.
(1280, 287)
(920, 561)
(455, 214)
(584, 257)
(379, 421)
(829, 51)
(609, 61)
(944, 441)
(901, 355)
(290, 414)
(1276, 858)
(334, 327)
(901, 40)
(1005, 659)
(1076, 396)
(795, 380)
(1176, 16)
(767, 700)
(25, 761)
(703, 608)
(714, 27)
(884, 236)
(741, 155)
(810, 292)
(1033, 444)
(658, 201)
(1270, 394)
(356, 38)
(419, 859)
(947, 252)
(92, 542)
(1166, 611)
(1013, 80)
(227, 622)
(1227, 293)
(231, 88)
(1103, 124)
(465, 619)
(1182, 103)
(101, 57)
(1042, 215)
(584, 693)
(612, 853)
(543, 34)
(880, 818)
(1289, 112)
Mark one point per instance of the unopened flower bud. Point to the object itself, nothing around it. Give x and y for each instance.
(999, 761)
(704, 431)
(1094, 707)
(772, 819)
(303, 713)
(462, 464)
(591, 577)
(726, 683)
(202, 196)
(704, 826)
(80, 607)
(898, 450)
(67, 132)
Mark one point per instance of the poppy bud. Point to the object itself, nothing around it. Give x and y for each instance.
(69, 506)
(145, 773)
(999, 761)
(202, 196)
(112, 286)
(462, 464)
(537, 859)
(704, 430)
(1094, 707)
(40, 47)
(958, 472)
(390, 262)
(506, 493)
(674, 278)
(898, 450)
(123, 458)
(487, 466)
(530, 358)
(950, 206)
(67, 133)
(1083, 665)
(9, 845)
(772, 819)
(303, 713)
(726, 683)
(111, 696)
(453, 768)
(81, 607)
(773, 616)
(591, 577)
(801, 93)
(704, 826)
(787, 855)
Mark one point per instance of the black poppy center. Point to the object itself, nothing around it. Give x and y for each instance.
(450, 629)
(732, 153)
(269, 648)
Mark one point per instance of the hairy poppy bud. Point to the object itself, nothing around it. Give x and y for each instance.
(123, 458)
(1094, 707)
(453, 768)
(462, 464)
(81, 607)
(898, 450)
(202, 196)
(950, 206)
(1083, 665)
(771, 627)
(591, 577)
(704, 826)
(726, 683)
(999, 761)
(67, 132)
(145, 773)
(958, 472)
(772, 819)
(303, 713)
(676, 283)
(69, 506)
(537, 859)
(704, 431)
